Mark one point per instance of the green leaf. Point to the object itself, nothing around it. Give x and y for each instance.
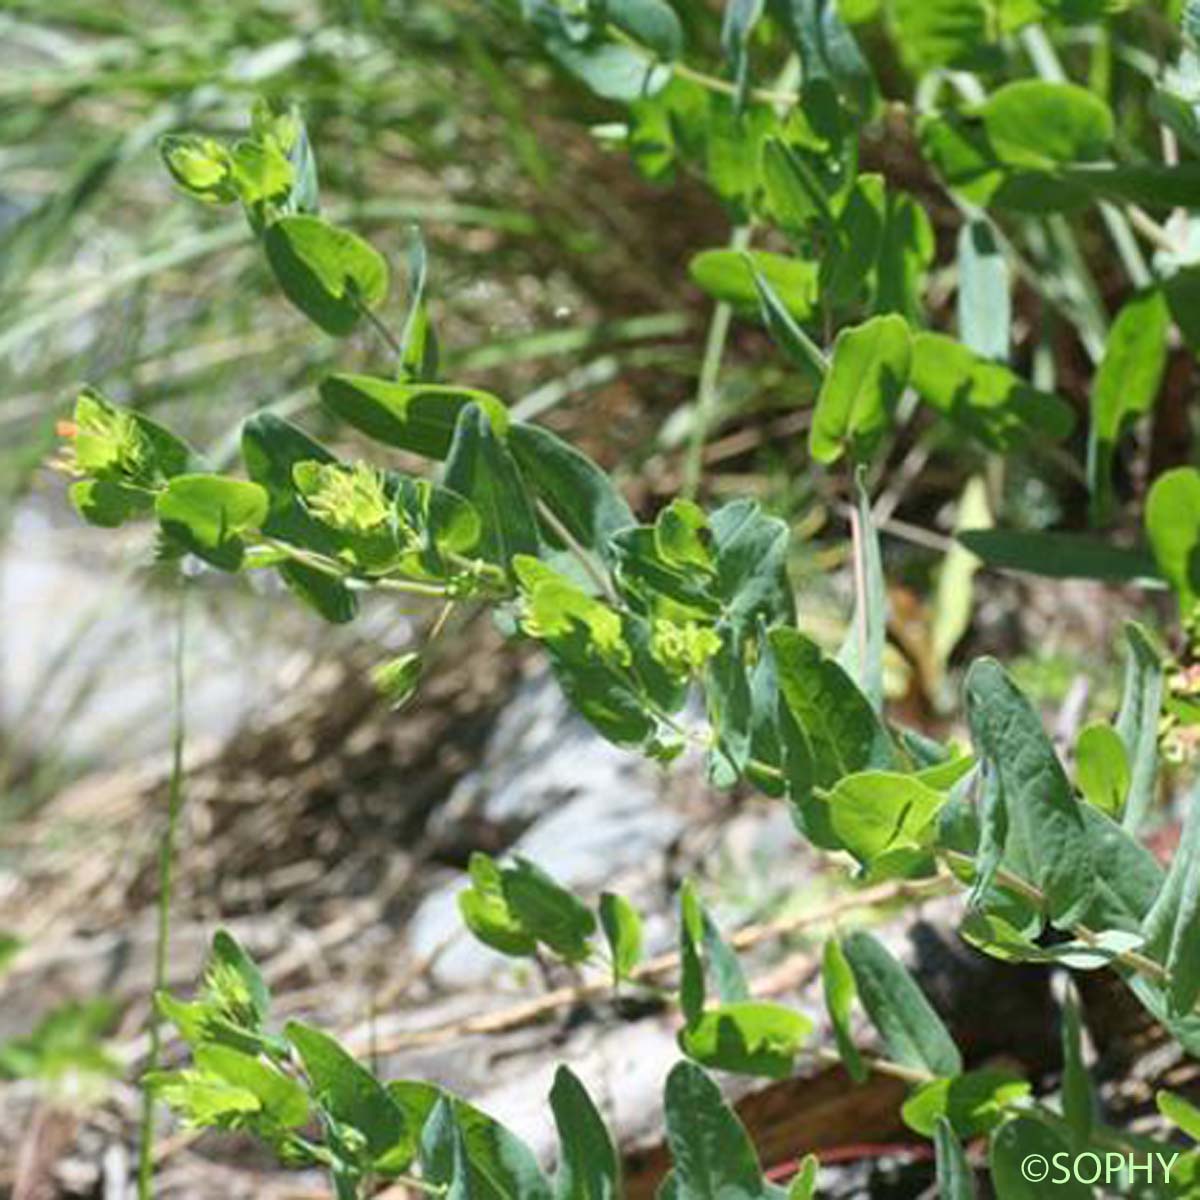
(861, 653)
(201, 166)
(1125, 386)
(748, 1037)
(1180, 1113)
(1048, 841)
(828, 51)
(729, 275)
(804, 1183)
(1038, 125)
(653, 23)
(1015, 1145)
(208, 514)
(418, 417)
(1078, 1095)
(786, 333)
(496, 1164)
(956, 1180)
(1059, 555)
(973, 1103)
(418, 358)
(1102, 768)
(691, 964)
(480, 468)
(741, 16)
(280, 1098)
(912, 1033)
(877, 814)
(588, 1166)
(108, 505)
(488, 915)
(397, 679)
(1137, 721)
(858, 238)
(997, 938)
(984, 292)
(984, 399)
(331, 275)
(712, 1154)
(839, 988)
(575, 490)
(228, 956)
(612, 69)
(827, 726)
(939, 33)
(1172, 926)
(1173, 525)
(353, 1096)
(868, 371)
(445, 1163)
(623, 931)
(547, 911)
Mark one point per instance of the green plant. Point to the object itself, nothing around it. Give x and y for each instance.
(634, 617)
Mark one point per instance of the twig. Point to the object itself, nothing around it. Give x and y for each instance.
(165, 884)
(531, 1011)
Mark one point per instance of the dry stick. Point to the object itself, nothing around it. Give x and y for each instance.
(530, 1011)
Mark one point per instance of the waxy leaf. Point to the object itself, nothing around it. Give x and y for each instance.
(417, 417)
(828, 728)
(868, 371)
(749, 1037)
(956, 1180)
(1125, 387)
(623, 931)
(486, 912)
(1138, 719)
(727, 275)
(1024, 1141)
(208, 514)
(588, 1166)
(1060, 555)
(973, 1103)
(1173, 525)
(879, 815)
(480, 468)
(862, 648)
(1047, 840)
(353, 1096)
(495, 1163)
(839, 988)
(1102, 768)
(985, 399)
(912, 1033)
(984, 292)
(1172, 926)
(1078, 1095)
(547, 911)
(712, 1154)
(577, 492)
(330, 274)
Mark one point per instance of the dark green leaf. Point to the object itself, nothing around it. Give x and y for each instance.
(912, 1033)
(353, 1096)
(712, 1155)
(748, 1037)
(1138, 721)
(1124, 388)
(984, 399)
(840, 991)
(973, 1103)
(1048, 842)
(623, 931)
(480, 468)
(956, 1180)
(1078, 1095)
(416, 417)
(1026, 1143)
(547, 911)
(868, 371)
(1059, 555)
(588, 1167)
(330, 274)
(575, 490)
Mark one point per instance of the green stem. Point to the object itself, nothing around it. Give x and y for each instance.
(166, 865)
(710, 370)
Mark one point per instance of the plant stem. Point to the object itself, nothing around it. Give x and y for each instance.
(166, 864)
(710, 370)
